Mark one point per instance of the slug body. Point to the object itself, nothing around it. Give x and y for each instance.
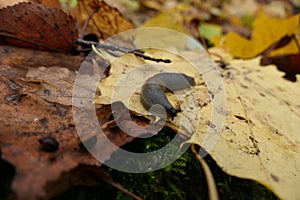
(153, 91)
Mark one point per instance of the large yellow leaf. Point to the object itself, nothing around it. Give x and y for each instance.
(260, 139)
(266, 31)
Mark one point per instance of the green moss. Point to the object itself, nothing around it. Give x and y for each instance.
(183, 179)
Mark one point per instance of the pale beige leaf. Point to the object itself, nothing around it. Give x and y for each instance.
(260, 140)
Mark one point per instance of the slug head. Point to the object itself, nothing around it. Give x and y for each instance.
(173, 112)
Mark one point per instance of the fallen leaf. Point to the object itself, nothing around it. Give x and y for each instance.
(290, 63)
(26, 119)
(52, 3)
(56, 83)
(31, 84)
(263, 35)
(22, 124)
(50, 75)
(104, 20)
(260, 139)
(170, 18)
(23, 59)
(35, 26)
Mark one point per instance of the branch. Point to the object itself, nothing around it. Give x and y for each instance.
(136, 52)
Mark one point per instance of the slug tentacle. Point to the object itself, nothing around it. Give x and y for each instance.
(153, 91)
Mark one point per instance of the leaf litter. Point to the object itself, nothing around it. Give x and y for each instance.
(236, 139)
(38, 136)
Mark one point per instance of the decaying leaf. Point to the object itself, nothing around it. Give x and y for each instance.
(56, 83)
(50, 75)
(33, 25)
(36, 101)
(104, 20)
(290, 63)
(53, 3)
(23, 59)
(264, 34)
(20, 134)
(25, 120)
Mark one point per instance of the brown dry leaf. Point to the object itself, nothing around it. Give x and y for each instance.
(50, 75)
(26, 118)
(106, 21)
(289, 63)
(52, 3)
(33, 25)
(19, 58)
(56, 83)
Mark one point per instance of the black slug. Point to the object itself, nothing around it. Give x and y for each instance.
(153, 91)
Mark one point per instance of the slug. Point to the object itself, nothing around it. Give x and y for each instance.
(153, 91)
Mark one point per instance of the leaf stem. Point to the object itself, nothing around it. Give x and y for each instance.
(212, 188)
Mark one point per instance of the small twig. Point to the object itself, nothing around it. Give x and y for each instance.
(212, 188)
(138, 53)
(102, 175)
(296, 41)
(93, 134)
(86, 23)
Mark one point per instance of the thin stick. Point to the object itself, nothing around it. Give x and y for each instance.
(212, 188)
(120, 49)
(93, 134)
(296, 41)
(102, 175)
(86, 23)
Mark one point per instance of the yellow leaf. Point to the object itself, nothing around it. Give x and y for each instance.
(266, 31)
(170, 19)
(260, 138)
